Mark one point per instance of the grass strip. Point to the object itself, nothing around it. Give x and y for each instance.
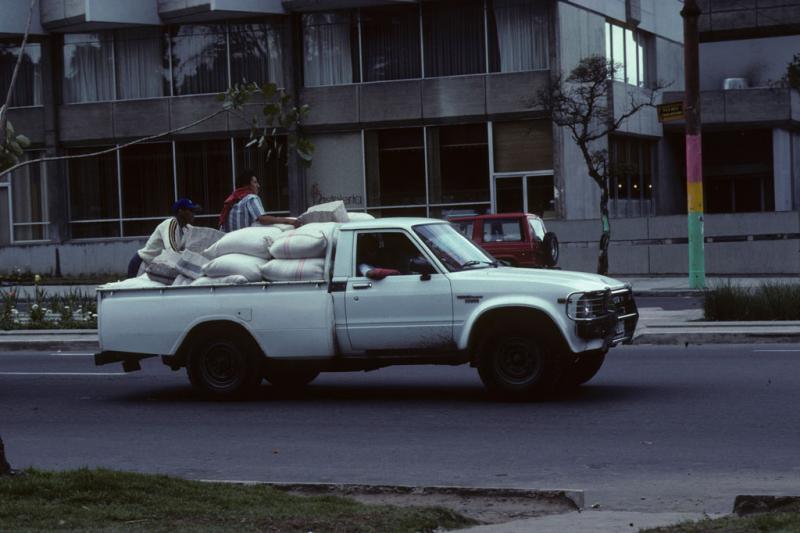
(768, 301)
(105, 500)
(772, 522)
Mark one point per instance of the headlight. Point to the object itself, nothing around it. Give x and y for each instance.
(587, 305)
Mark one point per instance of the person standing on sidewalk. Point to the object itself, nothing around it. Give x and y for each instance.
(168, 235)
(243, 207)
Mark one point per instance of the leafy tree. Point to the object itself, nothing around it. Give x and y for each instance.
(581, 104)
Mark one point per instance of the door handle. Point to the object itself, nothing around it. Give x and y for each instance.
(361, 286)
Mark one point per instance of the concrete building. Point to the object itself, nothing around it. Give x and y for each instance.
(417, 108)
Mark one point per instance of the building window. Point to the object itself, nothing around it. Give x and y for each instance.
(458, 164)
(139, 63)
(94, 194)
(199, 59)
(204, 174)
(88, 67)
(631, 162)
(28, 87)
(629, 51)
(23, 203)
(256, 52)
(272, 173)
(518, 35)
(147, 186)
(330, 49)
(390, 43)
(738, 171)
(454, 37)
(395, 167)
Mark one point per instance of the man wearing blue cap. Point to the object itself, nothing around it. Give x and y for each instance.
(168, 235)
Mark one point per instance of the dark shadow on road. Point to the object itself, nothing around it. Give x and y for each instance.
(390, 395)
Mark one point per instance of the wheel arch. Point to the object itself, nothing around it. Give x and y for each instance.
(534, 317)
(214, 326)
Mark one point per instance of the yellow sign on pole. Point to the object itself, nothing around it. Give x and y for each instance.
(671, 111)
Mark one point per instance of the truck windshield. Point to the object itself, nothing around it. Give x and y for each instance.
(454, 250)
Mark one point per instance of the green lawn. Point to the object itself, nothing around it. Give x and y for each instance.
(104, 500)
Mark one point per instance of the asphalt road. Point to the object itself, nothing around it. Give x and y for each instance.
(660, 428)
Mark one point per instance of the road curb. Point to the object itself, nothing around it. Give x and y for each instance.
(571, 497)
(48, 340)
(677, 338)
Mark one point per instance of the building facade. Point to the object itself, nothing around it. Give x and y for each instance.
(417, 108)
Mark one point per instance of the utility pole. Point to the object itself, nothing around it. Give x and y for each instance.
(694, 148)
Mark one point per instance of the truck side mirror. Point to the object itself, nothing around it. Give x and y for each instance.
(421, 266)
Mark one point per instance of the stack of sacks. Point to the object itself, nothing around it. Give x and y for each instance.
(238, 256)
(299, 255)
(164, 268)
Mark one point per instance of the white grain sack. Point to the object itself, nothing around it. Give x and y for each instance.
(197, 238)
(293, 269)
(142, 282)
(253, 241)
(182, 281)
(230, 264)
(164, 268)
(235, 279)
(359, 217)
(191, 264)
(304, 242)
(329, 212)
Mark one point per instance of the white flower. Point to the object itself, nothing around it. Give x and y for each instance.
(34, 307)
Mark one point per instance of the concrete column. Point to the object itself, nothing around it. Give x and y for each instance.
(57, 184)
(782, 169)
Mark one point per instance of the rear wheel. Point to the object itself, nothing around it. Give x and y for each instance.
(289, 379)
(223, 367)
(516, 365)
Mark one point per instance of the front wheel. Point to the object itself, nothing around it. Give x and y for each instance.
(582, 370)
(516, 365)
(222, 367)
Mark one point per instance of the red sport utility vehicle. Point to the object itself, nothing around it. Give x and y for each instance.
(519, 239)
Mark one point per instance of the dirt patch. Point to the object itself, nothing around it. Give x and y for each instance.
(489, 506)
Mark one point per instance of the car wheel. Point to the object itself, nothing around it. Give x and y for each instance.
(222, 367)
(550, 245)
(516, 365)
(582, 370)
(290, 379)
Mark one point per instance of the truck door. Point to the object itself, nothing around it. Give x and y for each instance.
(411, 308)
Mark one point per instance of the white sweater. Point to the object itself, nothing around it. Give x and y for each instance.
(168, 235)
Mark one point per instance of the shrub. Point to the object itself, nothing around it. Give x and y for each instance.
(768, 301)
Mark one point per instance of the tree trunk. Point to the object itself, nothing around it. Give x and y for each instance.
(605, 237)
(5, 468)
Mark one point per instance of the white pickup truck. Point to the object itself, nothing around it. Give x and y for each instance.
(527, 331)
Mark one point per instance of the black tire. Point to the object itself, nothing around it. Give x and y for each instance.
(516, 365)
(290, 379)
(223, 367)
(583, 369)
(550, 249)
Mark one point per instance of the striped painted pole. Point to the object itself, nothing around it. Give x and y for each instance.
(694, 146)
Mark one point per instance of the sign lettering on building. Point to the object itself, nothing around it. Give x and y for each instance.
(670, 112)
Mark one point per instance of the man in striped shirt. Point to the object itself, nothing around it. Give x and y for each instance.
(243, 207)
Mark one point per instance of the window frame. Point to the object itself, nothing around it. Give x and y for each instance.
(644, 56)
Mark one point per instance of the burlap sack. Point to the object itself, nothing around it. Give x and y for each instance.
(197, 239)
(191, 264)
(164, 268)
(253, 241)
(225, 280)
(232, 264)
(293, 269)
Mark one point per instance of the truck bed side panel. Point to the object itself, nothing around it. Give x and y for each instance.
(291, 320)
